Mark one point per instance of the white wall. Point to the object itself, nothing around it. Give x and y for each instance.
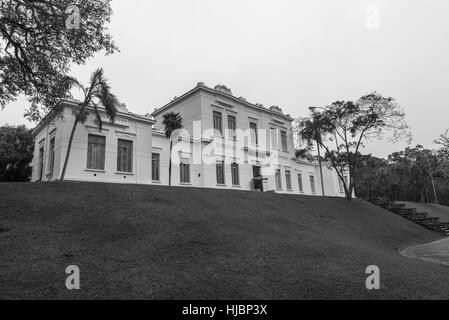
(124, 127)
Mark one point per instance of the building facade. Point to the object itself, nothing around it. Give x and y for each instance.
(120, 152)
(226, 143)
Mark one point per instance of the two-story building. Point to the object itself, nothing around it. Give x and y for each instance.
(226, 143)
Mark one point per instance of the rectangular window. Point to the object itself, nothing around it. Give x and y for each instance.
(288, 180)
(232, 125)
(95, 152)
(284, 140)
(220, 172)
(278, 179)
(41, 162)
(51, 155)
(235, 174)
(125, 156)
(184, 171)
(312, 184)
(253, 130)
(218, 128)
(301, 188)
(274, 138)
(155, 166)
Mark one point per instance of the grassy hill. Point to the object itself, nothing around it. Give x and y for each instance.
(153, 242)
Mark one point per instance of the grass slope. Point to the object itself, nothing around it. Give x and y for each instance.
(153, 242)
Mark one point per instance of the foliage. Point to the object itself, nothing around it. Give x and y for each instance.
(443, 142)
(408, 175)
(172, 122)
(37, 48)
(16, 153)
(97, 96)
(344, 127)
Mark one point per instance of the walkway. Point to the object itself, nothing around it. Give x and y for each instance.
(437, 251)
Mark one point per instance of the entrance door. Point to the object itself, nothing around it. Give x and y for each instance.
(257, 178)
(256, 171)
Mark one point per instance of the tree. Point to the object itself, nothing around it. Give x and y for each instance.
(372, 177)
(99, 97)
(345, 127)
(413, 170)
(443, 142)
(39, 40)
(16, 153)
(172, 121)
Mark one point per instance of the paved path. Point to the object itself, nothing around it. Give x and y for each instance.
(437, 251)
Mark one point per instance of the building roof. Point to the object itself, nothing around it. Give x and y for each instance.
(121, 111)
(226, 92)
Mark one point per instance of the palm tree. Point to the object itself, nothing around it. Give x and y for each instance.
(96, 95)
(172, 122)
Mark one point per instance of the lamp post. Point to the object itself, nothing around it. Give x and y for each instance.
(431, 179)
(318, 136)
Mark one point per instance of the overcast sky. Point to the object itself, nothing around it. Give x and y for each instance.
(293, 54)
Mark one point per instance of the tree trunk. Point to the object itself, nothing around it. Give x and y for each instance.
(348, 192)
(66, 161)
(169, 166)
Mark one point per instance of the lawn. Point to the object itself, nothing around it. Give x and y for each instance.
(153, 242)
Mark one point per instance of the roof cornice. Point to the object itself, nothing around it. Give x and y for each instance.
(203, 87)
(73, 103)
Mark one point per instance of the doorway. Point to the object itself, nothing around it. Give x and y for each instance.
(257, 178)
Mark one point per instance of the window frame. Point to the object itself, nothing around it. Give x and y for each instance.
(274, 138)
(156, 168)
(288, 179)
(90, 163)
(184, 172)
(232, 130)
(300, 183)
(130, 151)
(51, 156)
(284, 142)
(220, 164)
(217, 115)
(253, 132)
(235, 174)
(278, 179)
(41, 160)
(312, 184)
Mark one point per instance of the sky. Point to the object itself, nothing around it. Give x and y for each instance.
(289, 53)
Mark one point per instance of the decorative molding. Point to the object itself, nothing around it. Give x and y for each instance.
(216, 106)
(223, 88)
(276, 109)
(96, 130)
(52, 132)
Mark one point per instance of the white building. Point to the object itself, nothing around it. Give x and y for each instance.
(225, 143)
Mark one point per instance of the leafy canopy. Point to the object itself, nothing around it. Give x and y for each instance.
(172, 121)
(16, 153)
(344, 127)
(37, 49)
